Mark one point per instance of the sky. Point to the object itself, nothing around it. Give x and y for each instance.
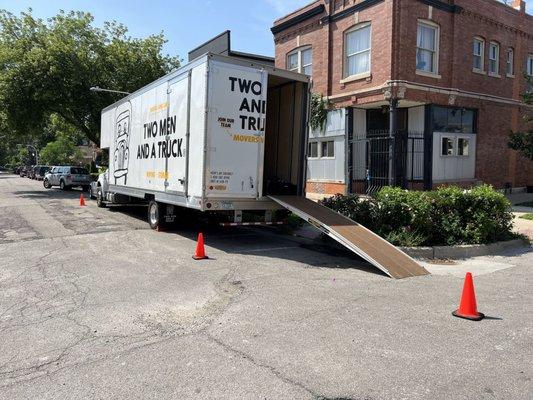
(186, 24)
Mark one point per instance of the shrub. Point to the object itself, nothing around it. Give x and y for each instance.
(446, 216)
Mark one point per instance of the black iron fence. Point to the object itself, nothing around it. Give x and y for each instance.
(379, 160)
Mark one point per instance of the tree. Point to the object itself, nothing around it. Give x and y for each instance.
(48, 68)
(523, 141)
(62, 151)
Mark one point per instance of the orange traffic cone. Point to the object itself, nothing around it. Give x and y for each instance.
(82, 200)
(468, 307)
(200, 250)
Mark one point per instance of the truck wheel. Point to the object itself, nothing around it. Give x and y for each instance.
(153, 214)
(99, 198)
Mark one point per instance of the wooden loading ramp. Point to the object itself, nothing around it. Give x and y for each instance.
(354, 236)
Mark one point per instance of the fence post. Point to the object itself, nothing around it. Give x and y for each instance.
(393, 126)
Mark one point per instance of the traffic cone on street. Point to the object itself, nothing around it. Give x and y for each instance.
(200, 250)
(468, 307)
(82, 200)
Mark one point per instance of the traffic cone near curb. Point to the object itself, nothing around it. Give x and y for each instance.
(468, 307)
(82, 200)
(200, 250)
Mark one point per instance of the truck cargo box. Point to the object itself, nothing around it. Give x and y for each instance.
(217, 134)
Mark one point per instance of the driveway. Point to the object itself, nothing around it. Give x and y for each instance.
(95, 305)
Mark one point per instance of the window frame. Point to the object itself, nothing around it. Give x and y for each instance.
(325, 142)
(529, 65)
(299, 53)
(436, 52)
(452, 141)
(345, 56)
(481, 56)
(509, 63)
(496, 60)
(464, 138)
(313, 142)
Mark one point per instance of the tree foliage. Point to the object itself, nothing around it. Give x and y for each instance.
(62, 151)
(523, 141)
(49, 66)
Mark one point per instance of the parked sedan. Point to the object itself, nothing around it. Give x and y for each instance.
(40, 171)
(67, 177)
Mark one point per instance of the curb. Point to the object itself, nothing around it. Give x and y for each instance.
(463, 251)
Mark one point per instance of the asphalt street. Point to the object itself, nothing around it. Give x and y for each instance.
(96, 305)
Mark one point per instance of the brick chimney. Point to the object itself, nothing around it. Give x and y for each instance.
(519, 5)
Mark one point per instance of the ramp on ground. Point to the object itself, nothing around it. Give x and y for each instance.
(354, 236)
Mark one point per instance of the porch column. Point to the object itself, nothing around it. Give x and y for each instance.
(393, 127)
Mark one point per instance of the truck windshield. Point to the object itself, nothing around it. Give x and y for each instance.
(78, 171)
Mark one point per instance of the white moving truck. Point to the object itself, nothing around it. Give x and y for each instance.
(217, 135)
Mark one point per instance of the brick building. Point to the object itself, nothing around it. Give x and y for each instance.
(437, 84)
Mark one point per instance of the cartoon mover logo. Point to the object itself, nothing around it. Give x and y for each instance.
(122, 141)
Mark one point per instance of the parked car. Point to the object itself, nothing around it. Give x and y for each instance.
(67, 177)
(23, 171)
(39, 172)
(29, 171)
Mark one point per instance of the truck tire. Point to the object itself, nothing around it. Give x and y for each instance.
(154, 214)
(99, 198)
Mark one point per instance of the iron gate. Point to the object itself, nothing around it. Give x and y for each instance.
(374, 167)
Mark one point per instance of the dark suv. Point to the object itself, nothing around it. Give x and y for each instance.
(67, 177)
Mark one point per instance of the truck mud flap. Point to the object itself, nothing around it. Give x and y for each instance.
(373, 248)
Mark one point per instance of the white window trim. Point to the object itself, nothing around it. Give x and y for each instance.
(457, 146)
(299, 52)
(510, 50)
(528, 62)
(318, 147)
(349, 78)
(435, 73)
(482, 55)
(328, 157)
(495, 74)
(454, 149)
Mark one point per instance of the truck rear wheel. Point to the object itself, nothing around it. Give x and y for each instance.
(100, 198)
(154, 213)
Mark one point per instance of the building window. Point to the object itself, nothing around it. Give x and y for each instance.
(453, 119)
(357, 49)
(427, 48)
(510, 62)
(529, 67)
(313, 150)
(446, 146)
(463, 147)
(301, 60)
(328, 149)
(479, 54)
(494, 58)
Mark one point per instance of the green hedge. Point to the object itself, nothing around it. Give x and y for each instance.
(446, 216)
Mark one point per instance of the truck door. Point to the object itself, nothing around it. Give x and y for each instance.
(236, 130)
(177, 138)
